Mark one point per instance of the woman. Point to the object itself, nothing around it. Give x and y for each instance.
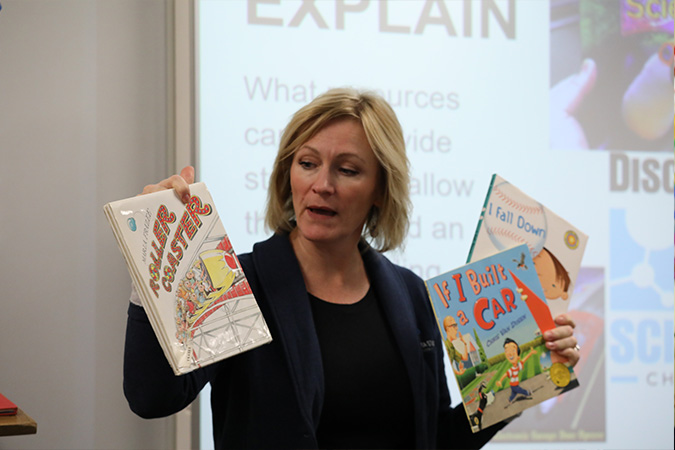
(356, 358)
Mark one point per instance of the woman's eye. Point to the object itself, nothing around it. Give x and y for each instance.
(349, 172)
(306, 164)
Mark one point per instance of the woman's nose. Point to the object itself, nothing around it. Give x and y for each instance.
(324, 183)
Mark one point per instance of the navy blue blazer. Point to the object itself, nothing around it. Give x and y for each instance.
(271, 396)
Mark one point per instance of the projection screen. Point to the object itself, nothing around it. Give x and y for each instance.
(570, 100)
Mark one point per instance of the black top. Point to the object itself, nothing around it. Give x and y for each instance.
(368, 401)
(272, 396)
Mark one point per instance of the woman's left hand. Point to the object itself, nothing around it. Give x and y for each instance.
(561, 339)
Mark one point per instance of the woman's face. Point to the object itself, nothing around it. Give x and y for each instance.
(334, 183)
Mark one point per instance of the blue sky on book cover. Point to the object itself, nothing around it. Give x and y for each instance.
(491, 314)
(503, 312)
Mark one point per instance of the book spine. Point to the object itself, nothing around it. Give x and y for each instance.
(480, 219)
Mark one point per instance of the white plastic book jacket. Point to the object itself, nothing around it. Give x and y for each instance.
(510, 217)
(188, 277)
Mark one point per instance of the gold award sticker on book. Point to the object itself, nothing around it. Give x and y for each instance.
(560, 374)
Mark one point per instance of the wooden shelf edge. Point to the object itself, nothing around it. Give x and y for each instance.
(18, 424)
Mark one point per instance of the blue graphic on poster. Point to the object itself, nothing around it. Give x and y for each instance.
(637, 271)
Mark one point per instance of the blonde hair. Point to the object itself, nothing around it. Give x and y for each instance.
(386, 225)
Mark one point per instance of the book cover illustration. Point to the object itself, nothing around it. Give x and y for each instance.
(492, 314)
(510, 217)
(188, 277)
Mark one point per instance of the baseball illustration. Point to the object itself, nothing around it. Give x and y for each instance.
(512, 218)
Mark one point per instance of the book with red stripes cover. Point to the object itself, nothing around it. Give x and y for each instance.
(7, 407)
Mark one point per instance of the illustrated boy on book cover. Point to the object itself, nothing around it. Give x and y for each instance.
(498, 301)
(510, 217)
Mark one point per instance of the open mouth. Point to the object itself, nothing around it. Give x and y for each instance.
(322, 211)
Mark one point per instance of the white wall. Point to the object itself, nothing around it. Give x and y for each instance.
(83, 121)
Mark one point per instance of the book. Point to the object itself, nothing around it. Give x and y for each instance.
(492, 315)
(7, 407)
(510, 217)
(188, 277)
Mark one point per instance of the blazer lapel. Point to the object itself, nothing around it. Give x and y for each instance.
(286, 294)
(394, 296)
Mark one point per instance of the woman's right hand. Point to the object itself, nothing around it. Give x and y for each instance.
(180, 183)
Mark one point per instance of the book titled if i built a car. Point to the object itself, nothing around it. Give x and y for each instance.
(492, 314)
(188, 277)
